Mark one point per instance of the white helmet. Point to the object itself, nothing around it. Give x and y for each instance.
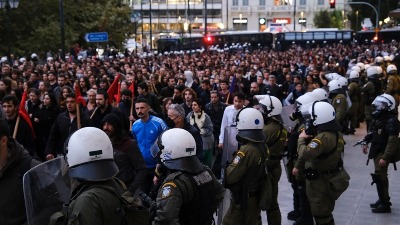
(342, 81)
(387, 99)
(386, 58)
(303, 102)
(356, 68)
(372, 71)
(353, 75)
(378, 59)
(320, 94)
(361, 65)
(391, 69)
(332, 76)
(176, 143)
(321, 112)
(90, 155)
(250, 124)
(366, 66)
(33, 55)
(269, 105)
(178, 150)
(391, 57)
(379, 69)
(334, 85)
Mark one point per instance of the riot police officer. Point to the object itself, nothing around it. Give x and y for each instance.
(383, 136)
(393, 82)
(355, 95)
(326, 178)
(244, 174)
(190, 193)
(91, 165)
(276, 134)
(301, 206)
(368, 93)
(339, 101)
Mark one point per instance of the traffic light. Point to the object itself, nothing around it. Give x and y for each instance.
(332, 3)
(208, 40)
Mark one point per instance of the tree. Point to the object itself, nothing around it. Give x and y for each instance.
(35, 25)
(323, 19)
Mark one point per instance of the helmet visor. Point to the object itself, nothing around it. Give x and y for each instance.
(380, 105)
(155, 149)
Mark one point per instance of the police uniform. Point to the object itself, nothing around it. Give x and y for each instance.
(368, 95)
(243, 178)
(92, 204)
(188, 199)
(393, 87)
(276, 136)
(384, 145)
(354, 94)
(339, 103)
(324, 153)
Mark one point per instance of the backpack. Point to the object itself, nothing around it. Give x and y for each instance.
(132, 207)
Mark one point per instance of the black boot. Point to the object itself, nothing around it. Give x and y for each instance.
(306, 217)
(384, 200)
(374, 205)
(295, 213)
(383, 208)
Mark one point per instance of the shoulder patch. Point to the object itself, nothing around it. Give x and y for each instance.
(237, 159)
(170, 184)
(166, 191)
(314, 143)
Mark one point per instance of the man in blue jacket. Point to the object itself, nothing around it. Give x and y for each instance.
(146, 131)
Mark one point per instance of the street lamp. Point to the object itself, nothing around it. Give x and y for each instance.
(8, 5)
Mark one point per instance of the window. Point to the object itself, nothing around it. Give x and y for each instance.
(303, 2)
(321, 2)
(235, 2)
(262, 2)
(245, 2)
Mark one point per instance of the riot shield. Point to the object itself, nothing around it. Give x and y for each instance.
(287, 122)
(45, 190)
(230, 146)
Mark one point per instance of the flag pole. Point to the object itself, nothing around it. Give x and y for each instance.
(78, 111)
(131, 114)
(16, 127)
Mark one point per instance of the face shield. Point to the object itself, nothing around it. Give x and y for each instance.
(379, 105)
(156, 148)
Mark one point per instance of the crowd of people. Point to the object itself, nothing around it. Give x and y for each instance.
(203, 93)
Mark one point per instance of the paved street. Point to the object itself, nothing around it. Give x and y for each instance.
(352, 208)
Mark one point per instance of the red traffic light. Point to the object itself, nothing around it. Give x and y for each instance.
(208, 40)
(332, 3)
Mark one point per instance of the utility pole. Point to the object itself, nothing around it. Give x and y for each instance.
(294, 15)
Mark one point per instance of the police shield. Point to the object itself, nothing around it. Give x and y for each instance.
(287, 122)
(46, 189)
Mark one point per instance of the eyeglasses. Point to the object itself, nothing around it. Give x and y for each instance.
(172, 118)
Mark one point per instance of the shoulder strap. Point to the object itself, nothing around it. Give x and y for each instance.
(278, 136)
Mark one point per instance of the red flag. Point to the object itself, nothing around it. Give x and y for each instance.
(113, 89)
(118, 95)
(79, 98)
(24, 114)
(132, 88)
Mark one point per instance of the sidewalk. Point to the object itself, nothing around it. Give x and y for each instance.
(352, 208)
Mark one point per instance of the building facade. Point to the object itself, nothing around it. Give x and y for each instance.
(154, 18)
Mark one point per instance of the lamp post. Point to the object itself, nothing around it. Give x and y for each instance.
(62, 33)
(8, 5)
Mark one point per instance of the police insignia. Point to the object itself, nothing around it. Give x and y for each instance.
(166, 192)
(236, 160)
(313, 144)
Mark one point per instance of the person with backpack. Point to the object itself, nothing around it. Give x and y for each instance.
(14, 162)
(383, 136)
(190, 193)
(92, 169)
(245, 174)
(326, 178)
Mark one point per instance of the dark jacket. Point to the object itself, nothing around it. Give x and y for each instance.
(12, 204)
(99, 116)
(61, 130)
(127, 156)
(215, 112)
(24, 134)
